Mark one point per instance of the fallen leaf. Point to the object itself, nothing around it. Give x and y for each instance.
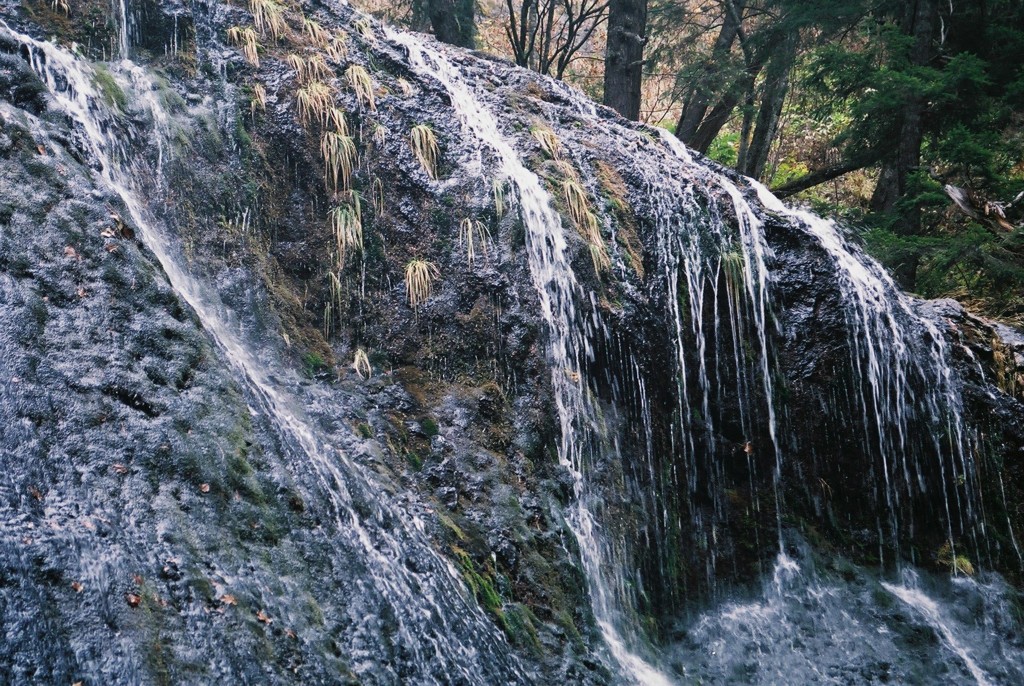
(77, 587)
(289, 633)
(35, 493)
(108, 233)
(228, 599)
(70, 252)
(81, 292)
(110, 248)
(204, 488)
(119, 468)
(263, 617)
(41, 149)
(748, 448)
(133, 599)
(136, 579)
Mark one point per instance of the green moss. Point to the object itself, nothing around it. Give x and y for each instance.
(112, 93)
(364, 430)
(430, 427)
(414, 460)
(313, 364)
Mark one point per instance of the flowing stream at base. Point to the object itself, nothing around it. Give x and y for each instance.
(441, 626)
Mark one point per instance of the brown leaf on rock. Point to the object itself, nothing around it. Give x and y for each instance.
(77, 587)
(133, 599)
(35, 493)
(70, 252)
(204, 488)
(263, 617)
(119, 468)
(228, 599)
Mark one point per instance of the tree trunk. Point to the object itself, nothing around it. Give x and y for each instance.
(700, 94)
(453, 21)
(892, 181)
(776, 87)
(624, 56)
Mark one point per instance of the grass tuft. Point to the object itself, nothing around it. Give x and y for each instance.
(268, 16)
(424, 146)
(499, 198)
(246, 39)
(337, 48)
(308, 69)
(314, 100)
(335, 118)
(548, 141)
(473, 235)
(347, 225)
(316, 34)
(259, 98)
(362, 84)
(340, 158)
(419, 280)
(585, 220)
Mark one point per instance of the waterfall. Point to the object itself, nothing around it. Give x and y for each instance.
(570, 332)
(443, 631)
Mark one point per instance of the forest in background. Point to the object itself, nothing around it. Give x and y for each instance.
(904, 119)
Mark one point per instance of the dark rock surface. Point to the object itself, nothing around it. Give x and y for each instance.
(143, 487)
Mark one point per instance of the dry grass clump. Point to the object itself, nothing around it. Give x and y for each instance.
(424, 146)
(337, 48)
(347, 225)
(578, 206)
(316, 34)
(314, 100)
(259, 98)
(340, 157)
(246, 39)
(335, 119)
(310, 68)
(268, 16)
(548, 141)
(362, 84)
(473, 236)
(498, 189)
(419, 280)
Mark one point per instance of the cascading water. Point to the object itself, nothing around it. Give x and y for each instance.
(694, 440)
(442, 632)
(570, 332)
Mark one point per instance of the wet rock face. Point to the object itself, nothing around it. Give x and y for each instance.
(148, 500)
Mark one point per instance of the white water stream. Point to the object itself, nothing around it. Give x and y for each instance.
(440, 624)
(569, 342)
